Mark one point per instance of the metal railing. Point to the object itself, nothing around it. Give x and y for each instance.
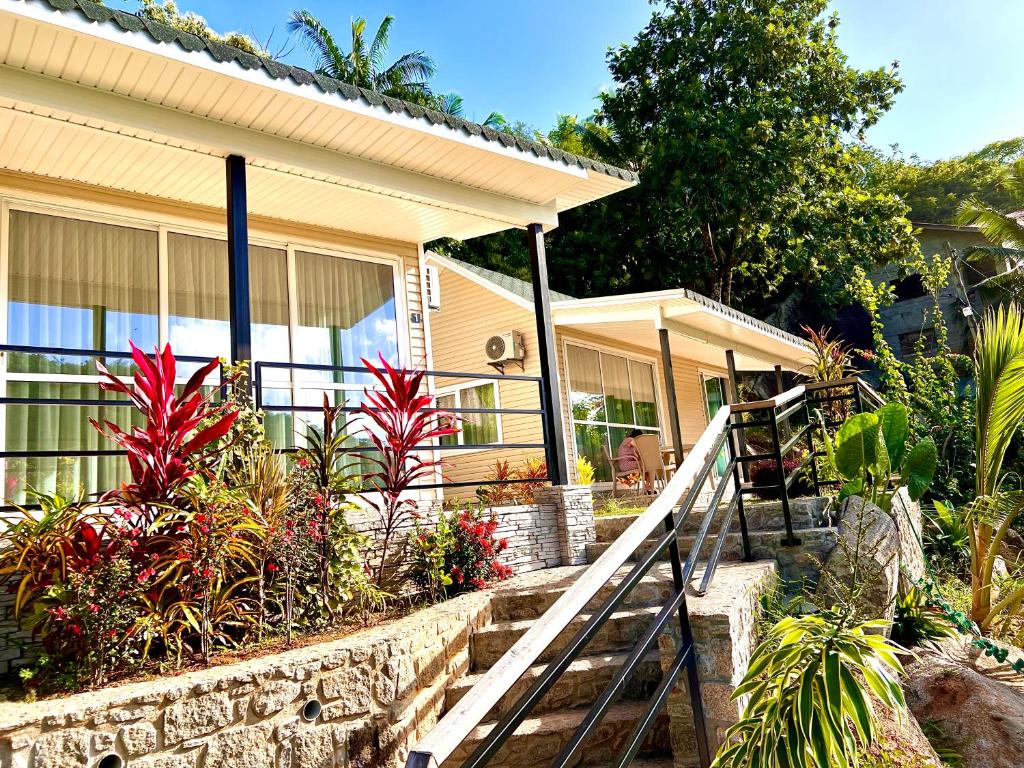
(261, 384)
(669, 511)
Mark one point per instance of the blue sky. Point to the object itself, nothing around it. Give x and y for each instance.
(531, 59)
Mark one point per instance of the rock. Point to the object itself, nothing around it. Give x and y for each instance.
(314, 748)
(196, 717)
(900, 739)
(352, 686)
(891, 560)
(866, 533)
(138, 739)
(976, 703)
(1012, 547)
(274, 697)
(64, 749)
(247, 747)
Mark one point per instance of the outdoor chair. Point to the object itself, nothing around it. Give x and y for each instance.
(618, 473)
(648, 448)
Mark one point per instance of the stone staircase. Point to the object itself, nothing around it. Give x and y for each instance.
(766, 528)
(723, 627)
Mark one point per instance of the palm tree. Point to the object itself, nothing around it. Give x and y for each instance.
(999, 405)
(364, 65)
(1004, 231)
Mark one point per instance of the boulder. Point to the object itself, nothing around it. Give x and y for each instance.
(889, 551)
(976, 703)
(899, 741)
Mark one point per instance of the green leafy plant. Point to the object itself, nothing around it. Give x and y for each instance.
(870, 448)
(808, 682)
(460, 554)
(917, 623)
(948, 535)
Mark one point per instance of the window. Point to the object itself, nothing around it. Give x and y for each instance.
(909, 341)
(610, 395)
(714, 399)
(81, 284)
(910, 287)
(474, 428)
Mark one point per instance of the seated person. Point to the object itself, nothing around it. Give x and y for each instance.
(629, 459)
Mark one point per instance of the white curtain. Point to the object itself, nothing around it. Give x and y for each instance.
(198, 297)
(616, 389)
(586, 394)
(78, 285)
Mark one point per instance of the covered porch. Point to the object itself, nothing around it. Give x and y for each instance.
(158, 189)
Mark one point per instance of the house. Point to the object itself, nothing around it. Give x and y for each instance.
(962, 300)
(654, 361)
(156, 187)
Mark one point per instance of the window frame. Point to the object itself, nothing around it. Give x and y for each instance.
(163, 224)
(603, 349)
(456, 391)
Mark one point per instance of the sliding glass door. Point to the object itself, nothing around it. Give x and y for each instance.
(610, 395)
(92, 284)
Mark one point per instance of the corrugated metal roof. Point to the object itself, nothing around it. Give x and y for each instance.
(520, 288)
(276, 70)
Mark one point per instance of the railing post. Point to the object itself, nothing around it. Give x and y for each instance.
(554, 441)
(670, 396)
(810, 445)
(858, 397)
(733, 396)
(738, 490)
(773, 423)
(686, 639)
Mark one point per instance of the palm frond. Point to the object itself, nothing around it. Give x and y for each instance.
(379, 46)
(450, 104)
(328, 59)
(998, 228)
(496, 121)
(360, 64)
(1013, 181)
(1000, 391)
(411, 71)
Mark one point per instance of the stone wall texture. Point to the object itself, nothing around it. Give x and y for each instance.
(354, 702)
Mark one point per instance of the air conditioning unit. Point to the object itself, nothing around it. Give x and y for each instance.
(432, 279)
(505, 348)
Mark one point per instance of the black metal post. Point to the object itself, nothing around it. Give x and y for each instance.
(240, 313)
(810, 446)
(738, 490)
(670, 401)
(554, 440)
(733, 396)
(686, 639)
(773, 423)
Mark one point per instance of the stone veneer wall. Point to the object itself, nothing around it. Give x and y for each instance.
(379, 690)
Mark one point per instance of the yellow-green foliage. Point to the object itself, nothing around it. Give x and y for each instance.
(584, 471)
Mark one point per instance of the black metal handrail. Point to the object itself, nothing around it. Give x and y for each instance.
(669, 510)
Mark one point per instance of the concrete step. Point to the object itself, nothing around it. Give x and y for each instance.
(622, 629)
(653, 589)
(761, 516)
(538, 740)
(578, 686)
(796, 563)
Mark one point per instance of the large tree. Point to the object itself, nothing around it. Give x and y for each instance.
(742, 117)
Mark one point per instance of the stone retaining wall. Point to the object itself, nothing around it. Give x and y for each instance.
(354, 702)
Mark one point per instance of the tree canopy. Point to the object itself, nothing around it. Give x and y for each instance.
(742, 119)
(933, 191)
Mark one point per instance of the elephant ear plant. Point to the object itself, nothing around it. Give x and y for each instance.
(870, 450)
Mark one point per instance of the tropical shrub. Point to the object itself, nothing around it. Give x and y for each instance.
(870, 448)
(170, 448)
(459, 554)
(830, 360)
(584, 471)
(515, 485)
(917, 622)
(401, 421)
(764, 474)
(809, 681)
(947, 536)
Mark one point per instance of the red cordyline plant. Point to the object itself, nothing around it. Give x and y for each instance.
(169, 449)
(402, 421)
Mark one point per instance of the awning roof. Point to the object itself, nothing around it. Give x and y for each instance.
(700, 328)
(96, 96)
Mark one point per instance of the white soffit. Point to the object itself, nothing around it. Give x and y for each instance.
(175, 101)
